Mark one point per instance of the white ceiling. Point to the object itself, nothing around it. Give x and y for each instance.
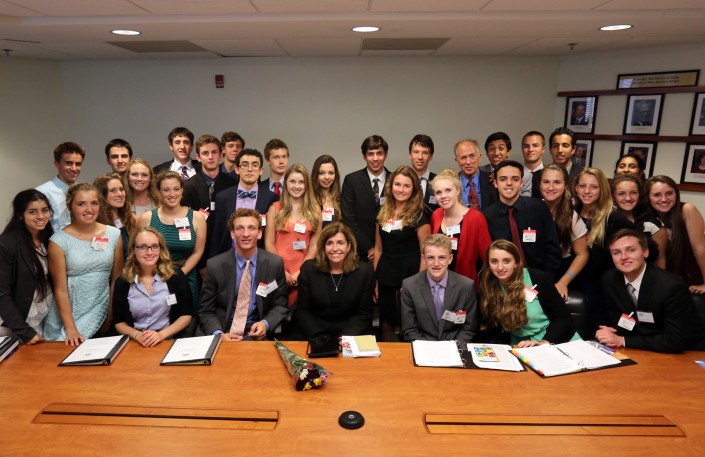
(80, 29)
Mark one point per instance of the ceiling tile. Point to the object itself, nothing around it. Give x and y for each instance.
(425, 5)
(311, 47)
(243, 48)
(81, 7)
(200, 7)
(303, 6)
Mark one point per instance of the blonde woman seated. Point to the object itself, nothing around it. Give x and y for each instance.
(152, 299)
(520, 304)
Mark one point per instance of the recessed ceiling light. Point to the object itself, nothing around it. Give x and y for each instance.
(126, 32)
(609, 28)
(365, 29)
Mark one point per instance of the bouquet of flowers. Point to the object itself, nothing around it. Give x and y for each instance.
(306, 375)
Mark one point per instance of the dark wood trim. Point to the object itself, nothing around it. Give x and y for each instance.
(639, 91)
(660, 138)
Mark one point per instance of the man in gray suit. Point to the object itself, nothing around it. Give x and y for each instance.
(438, 304)
(240, 310)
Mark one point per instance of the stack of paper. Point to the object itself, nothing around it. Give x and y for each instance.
(360, 346)
(7, 346)
(96, 351)
(436, 354)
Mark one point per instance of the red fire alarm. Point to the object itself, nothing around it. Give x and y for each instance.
(219, 81)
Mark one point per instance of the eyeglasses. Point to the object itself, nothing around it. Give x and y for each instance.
(145, 248)
(249, 166)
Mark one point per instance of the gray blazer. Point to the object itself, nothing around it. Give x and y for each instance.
(418, 313)
(219, 293)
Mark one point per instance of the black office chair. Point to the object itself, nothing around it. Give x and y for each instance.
(577, 304)
(699, 301)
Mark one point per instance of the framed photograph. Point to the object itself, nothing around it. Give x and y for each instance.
(582, 157)
(643, 114)
(658, 79)
(697, 124)
(580, 114)
(644, 149)
(694, 165)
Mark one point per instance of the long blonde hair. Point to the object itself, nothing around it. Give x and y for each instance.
(502, 306)
(310, 209)
(165, 268)
(603, 206)
(414, 206)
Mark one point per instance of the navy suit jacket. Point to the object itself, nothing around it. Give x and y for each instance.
(226, 204)
(418, 311)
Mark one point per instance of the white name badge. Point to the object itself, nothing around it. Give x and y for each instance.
(299, 245)
(453, 230)
(181, 222)
(204, 212)
(300, 228)
(528, 236)
(381, 201)
(99, 243)
(118, 223)
(626, 322)
(171, 299)
(264, 289)
(454, 244)
(264, 220)
(212, 206)
(327, 214)
(530, 293)
(460, 317)
(644, 316)
(184, 234)
(432, 200)
(448, 316)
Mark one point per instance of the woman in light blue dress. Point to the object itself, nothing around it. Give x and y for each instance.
(84, 259)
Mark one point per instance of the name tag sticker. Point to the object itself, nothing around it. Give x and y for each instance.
(181, 222)
(530, 293)
(644, 316)
(448, 316)
(184, 234)
(171, 299)
(212, 206)
(299, 245)
(460, 317)
(327, 214)
(432, 200)
(118, 223)
(99, 243)
(453, 230)
(204, 212)
(264, 220)
(454, 244)
(626, 322)
(262, 290)
(300, 228)
(529, 236)
(381, 201)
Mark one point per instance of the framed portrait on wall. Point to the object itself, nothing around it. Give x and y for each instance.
(645, 150)
(580, 114)
(697, 123)
(694, 165)
(643, 114)
(582, 157)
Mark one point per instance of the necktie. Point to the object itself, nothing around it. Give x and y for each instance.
(438, 302)
(632, 293)
(211, 190)
(277, 188)
(246, 194)
(473, 201)
(184, 172)
(375, 190)
(242, 307)
(514, 230)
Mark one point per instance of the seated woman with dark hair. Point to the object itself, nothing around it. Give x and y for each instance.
(335, 290)
(520, 304)
(152, 299)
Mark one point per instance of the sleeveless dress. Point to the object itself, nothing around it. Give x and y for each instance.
(180, 250)
(88, 274)
(284, 243)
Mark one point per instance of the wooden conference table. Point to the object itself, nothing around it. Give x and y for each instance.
(245, 404)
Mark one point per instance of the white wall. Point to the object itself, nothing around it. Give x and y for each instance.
(600, 71)
(32, 123)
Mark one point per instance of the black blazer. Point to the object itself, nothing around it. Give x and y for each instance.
(359, 209)
(177, 285)
(18, 282)
(167, 165)
(322, 311)
(677, 325)
(196, 197)
(429, 207)
(488, 192)
(226, 204)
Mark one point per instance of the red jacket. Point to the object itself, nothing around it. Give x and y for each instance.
(473, 241)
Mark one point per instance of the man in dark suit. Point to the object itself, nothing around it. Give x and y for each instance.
(578, 114)
(476, 186)
(438, 304)
(533, 144)
(249, 193)
(276, 153)
(181, 145)
(363, 193)
(649, 308)
(420, 154)
(535, 232)
(263, 301)
(200, 191)
(562, 147)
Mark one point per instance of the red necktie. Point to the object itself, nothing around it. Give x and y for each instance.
(277, 190)
(473, 201)
(515, 234)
